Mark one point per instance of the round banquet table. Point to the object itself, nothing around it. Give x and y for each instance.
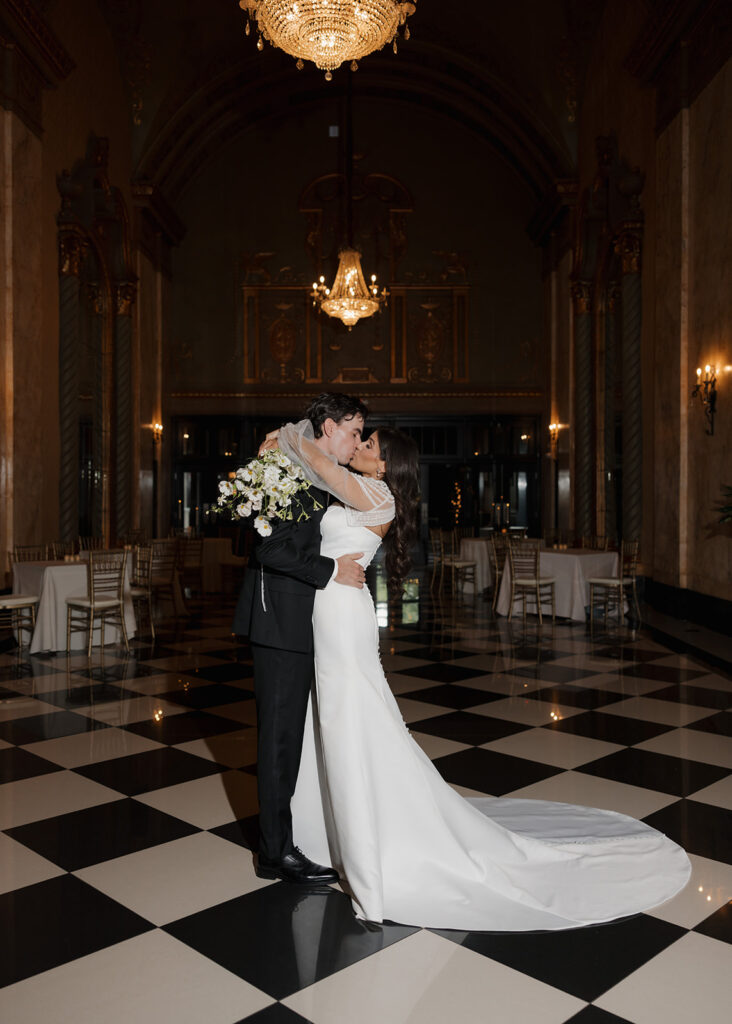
(571, 569)
(477, 549)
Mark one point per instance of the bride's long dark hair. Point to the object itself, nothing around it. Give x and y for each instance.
(401, 456)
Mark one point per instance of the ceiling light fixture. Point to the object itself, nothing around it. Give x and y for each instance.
(328, 32)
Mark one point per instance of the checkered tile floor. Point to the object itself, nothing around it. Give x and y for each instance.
(128, 815)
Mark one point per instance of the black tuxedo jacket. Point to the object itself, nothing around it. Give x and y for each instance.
(275, 606)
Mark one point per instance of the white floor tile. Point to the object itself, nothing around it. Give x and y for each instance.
(146, 980)
(234, 749)
(417, 710)
(176, 879)
(561, 749)
(4, 745)
(20, 866)
(719, 794)
(709, 888)
(588, 791)
(24, 707)
(694, 746)
(687, 982)
(401, 684)
(436, 746)
(88, 747)
(426, 979)
(241, 711)
(666, 712)
(397, 662)
(46, 796)
(183, 662)
(152, 685)
(527, 712)
(206, 803)
(138, 709)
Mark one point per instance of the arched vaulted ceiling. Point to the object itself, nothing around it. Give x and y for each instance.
(510, 73)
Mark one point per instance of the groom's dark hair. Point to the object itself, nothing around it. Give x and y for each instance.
(332, 405)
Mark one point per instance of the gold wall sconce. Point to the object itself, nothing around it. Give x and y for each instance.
(705, 389)
(157, 433)
(554, 429)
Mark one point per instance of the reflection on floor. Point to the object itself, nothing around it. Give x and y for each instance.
(128, 813)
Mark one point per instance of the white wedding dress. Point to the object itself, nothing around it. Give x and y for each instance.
(409, 849)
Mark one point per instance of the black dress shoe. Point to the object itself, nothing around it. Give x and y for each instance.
(296, 867)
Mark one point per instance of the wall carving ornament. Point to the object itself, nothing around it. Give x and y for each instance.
(422, 336)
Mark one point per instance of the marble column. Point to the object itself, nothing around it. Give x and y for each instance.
(628, 247)
(71, 250)
(583, 407)
(611, 328)
(124, 298)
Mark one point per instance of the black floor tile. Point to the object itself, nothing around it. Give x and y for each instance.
(662, 673)
(54, 922)
(594, 1015)
(244, 832)
(612, 728)
(720, 725)
(16, 764)
(465, 727)
(84, 695)
(629, 653)
(487, 771)
(47, 727)
(229, 673)
(719, 924)
(527, 652)
(155, 769)
(153, 652)
(452, 695)
(436, 653)
(277, 1013)
(234, 652)
(575, 696)
(552, 673)
(28, 668)
(283, 938)
(121, 672)
(421, 638)
(81, 838)
(701, 696)
(659, 772)
(191, 725)
(700, 828)
(441, 673)
(200, 697)
(585, 962)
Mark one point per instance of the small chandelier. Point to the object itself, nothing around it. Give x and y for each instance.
(328, 32)
(350, 299)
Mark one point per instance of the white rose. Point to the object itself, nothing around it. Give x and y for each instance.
(262, 527)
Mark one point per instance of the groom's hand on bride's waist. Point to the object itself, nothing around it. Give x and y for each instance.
(350, 572)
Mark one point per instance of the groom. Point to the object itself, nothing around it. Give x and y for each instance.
(275, 610)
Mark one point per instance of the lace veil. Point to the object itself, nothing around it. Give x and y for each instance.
(368, 502)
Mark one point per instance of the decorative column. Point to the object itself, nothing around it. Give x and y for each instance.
(611, 327)
(71, 252)
(124, 298)
(628, 247)
(583, 405)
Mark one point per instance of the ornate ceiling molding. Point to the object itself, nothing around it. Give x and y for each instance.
(32, 59)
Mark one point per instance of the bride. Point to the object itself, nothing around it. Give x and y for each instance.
(371, 803)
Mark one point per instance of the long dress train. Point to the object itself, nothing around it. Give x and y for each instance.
(370, 802)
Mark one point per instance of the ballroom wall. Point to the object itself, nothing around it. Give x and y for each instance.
(683, 150)
(466, 201)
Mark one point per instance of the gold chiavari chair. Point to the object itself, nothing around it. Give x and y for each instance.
(462, 570)
(163, 571)
(525, 579)
(61, 548)
(613, 590)
(30, 552)
(91, 543)
(595, 542)
(105, 573)
(18, 612)
(189, 556)
(141, 589)
(498, 554)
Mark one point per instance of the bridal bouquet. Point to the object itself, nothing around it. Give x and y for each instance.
(270, 485)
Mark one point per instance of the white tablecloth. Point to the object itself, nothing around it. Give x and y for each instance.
(477, 549)
(53, 582)
(571, 569)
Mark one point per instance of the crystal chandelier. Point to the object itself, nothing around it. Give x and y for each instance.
(328, 32)
(350, 299)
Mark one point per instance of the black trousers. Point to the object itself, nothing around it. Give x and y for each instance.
(282, 682)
